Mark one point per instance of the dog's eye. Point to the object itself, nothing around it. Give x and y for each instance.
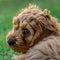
(26, 32)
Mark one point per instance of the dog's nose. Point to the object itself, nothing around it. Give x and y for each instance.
(10, 42)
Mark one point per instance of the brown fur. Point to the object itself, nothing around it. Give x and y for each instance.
(40, 25)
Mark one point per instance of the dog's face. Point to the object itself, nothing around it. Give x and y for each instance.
(26, 29)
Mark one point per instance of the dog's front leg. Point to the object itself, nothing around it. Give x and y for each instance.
(20, 57)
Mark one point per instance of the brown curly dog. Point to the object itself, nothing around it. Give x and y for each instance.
(36, 34)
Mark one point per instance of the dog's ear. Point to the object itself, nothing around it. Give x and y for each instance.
(46, 20)
(37, 28)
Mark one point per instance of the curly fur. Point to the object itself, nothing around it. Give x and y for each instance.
(41, 42)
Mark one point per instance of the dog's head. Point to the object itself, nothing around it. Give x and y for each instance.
(29, 27)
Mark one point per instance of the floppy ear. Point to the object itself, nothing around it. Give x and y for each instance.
(38, 30)
(46, 20)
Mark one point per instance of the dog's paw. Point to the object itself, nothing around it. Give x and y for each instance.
(15, 57)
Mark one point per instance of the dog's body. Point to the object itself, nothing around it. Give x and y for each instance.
(48, 49)
(36, 34)
(45, 50)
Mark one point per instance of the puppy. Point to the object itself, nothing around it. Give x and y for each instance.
(31, 29)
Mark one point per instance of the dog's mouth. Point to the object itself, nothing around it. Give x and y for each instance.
(21, 47)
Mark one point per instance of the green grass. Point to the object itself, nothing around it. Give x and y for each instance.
(9, 8)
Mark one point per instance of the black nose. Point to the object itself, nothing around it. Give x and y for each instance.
(11, 42)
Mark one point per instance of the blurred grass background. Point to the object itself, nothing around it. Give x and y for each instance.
(9, 8)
